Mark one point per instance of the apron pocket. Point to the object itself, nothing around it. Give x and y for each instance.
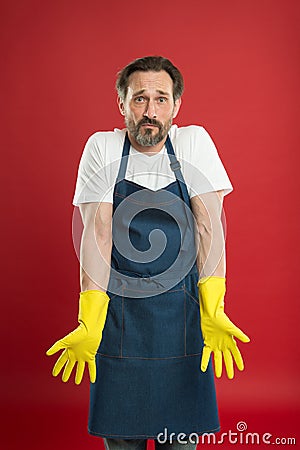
(154, 327)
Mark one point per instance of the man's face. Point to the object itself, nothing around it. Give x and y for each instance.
(149, 107)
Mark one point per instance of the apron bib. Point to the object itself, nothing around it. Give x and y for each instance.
(148, 363)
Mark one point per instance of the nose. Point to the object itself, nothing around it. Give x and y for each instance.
(150, 110)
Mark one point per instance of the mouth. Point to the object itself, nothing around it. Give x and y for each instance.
(149, 127)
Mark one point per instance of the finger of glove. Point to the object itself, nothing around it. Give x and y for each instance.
(92, 371)
(68, 370)
(237, 356)
(228, 363)
(79, 372)
(239, 334)
(60, 363)
(55, 348)
(218, 363)
(205, 358)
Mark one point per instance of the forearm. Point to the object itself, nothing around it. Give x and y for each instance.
(95, 258)
(211, 260)
(96, 246)
(210, 239)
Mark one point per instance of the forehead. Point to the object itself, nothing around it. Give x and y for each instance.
(156, 81)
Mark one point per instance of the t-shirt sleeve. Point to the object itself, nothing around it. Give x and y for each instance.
(204, 170)
(92, 183)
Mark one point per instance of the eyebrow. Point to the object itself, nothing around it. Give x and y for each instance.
(158, 91)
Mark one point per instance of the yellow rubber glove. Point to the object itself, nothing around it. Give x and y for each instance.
(217, 329)
(80, 346)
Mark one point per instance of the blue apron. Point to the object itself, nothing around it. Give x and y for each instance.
(148, 363)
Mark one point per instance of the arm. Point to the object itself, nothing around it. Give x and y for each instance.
(96, 245)
(81, 345)
(217, 329)
(210, 240)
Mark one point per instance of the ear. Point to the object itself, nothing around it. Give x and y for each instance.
(121, 106)
(177, 105)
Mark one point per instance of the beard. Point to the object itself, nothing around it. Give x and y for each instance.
(148, 137)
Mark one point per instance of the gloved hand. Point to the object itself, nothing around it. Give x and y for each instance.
(80, 346)
(217, 329)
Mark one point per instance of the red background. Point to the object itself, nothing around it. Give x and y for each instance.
(241, 69)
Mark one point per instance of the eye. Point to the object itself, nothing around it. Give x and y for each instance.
(139, 99)
(162, 100)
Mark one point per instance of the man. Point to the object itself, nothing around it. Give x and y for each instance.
(152, 252)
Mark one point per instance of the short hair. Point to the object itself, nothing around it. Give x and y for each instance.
(150, 64)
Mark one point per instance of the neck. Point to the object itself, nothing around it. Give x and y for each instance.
(153, 149)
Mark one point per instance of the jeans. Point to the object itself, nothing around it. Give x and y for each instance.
(141, 444)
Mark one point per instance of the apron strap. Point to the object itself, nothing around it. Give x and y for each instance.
(176, 167)
(124, 159)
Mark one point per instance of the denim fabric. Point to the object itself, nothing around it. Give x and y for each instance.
(164, 210)
(148, 362)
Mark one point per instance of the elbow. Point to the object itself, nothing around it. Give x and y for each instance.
(204, 229)
(104, 236)
(101, 234)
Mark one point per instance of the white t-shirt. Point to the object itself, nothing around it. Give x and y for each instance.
(201, 165)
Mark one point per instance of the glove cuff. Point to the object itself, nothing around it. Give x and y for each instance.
(211, 280)
(211, 295)
(92, 305)
(94, 293)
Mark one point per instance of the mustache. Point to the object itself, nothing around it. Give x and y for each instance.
(150, 122)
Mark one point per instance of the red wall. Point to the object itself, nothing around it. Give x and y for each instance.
(240, 61)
